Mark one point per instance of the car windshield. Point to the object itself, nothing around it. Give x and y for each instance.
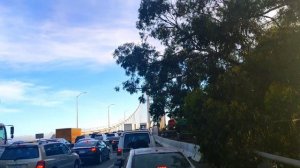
(20, 152)
(166, 160)
(136, 140)
(85, 144)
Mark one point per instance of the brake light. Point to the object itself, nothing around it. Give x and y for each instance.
(161, 167)
(40, 164)
(94, 149)
(119, 151)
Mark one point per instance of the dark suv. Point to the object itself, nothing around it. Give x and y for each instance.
(133, 140)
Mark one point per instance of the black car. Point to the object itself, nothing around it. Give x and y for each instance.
(81, 137)
(92, 150)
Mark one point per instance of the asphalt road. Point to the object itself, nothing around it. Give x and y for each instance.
(104, 164)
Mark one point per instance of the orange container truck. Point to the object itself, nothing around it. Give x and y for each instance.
(69, 134)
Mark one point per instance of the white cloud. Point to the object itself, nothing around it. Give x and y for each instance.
(8, 110)
(13, 90)
(31, 94)
(91, 44)
(24, 42)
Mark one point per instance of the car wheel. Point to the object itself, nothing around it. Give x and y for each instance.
(76, 164)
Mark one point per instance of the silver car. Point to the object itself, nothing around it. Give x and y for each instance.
(157, 157)
(34, 155)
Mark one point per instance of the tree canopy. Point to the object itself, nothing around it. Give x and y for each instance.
(231, 67)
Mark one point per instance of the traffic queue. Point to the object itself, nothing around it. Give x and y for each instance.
(133, 149)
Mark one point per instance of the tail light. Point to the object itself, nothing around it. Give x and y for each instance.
(40, 164)
(93, 149)
(161, 167)
(119, 151)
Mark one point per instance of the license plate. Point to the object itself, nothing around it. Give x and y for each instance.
(81, 152)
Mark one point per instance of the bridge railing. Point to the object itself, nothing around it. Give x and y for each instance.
(114, 126)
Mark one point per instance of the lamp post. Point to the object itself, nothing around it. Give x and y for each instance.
(81, 93)
(108, 121)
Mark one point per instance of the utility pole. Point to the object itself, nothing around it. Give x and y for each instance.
(108, 117)
(148, 112)
(81, 93)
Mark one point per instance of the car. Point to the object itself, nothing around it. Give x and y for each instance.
(86, 139)
(114, 143)
(81, 137)
(133, 140)
(98, 137)
(92, 150)
(39, 155)
(110, 137)
(64, 141)
(113, 140)
(156, 157)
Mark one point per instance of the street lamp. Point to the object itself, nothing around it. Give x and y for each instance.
(81, 93)
(108, 121)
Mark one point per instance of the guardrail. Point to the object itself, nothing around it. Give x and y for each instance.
(188, 149)
(288, 161)
(192, 150)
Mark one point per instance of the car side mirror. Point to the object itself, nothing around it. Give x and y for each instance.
(12, 131)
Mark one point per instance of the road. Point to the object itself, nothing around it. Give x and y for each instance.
(105, 164)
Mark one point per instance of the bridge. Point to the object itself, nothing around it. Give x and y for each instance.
(139, 116)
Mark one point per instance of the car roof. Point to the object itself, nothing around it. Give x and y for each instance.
(142, 151)
(136, 131)
(90, 139)
(25, 144)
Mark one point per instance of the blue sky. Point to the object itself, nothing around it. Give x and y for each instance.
(51, 50)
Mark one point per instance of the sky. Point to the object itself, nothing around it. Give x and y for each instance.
(52, 50)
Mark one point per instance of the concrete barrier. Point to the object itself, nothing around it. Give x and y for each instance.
(188, 149)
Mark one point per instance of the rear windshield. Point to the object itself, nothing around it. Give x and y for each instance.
(168, 160)
(85, 144)
(20, 152)
(138, 140)
(110, 135)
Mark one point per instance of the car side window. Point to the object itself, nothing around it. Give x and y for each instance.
(64, 148)
(53, 149)
(102, 144)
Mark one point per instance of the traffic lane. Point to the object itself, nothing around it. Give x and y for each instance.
(104, 164)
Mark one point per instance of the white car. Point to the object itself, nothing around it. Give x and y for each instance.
(157, 157)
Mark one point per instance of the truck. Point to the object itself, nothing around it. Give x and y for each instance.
(68, 134)
(127, 127)
(3, 133)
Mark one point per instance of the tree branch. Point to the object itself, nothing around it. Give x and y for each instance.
(272, 19)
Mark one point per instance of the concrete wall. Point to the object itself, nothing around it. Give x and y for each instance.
(188, 149)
